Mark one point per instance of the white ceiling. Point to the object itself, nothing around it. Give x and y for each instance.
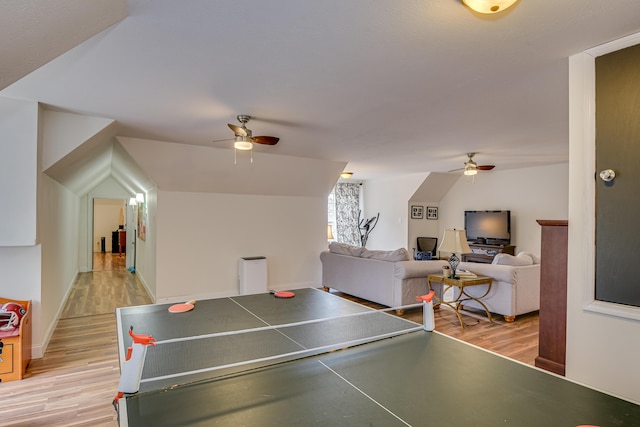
(388, 86)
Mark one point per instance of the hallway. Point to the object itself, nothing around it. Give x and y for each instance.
(108, 286)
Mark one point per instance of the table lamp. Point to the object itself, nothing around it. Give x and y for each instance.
(455, 242)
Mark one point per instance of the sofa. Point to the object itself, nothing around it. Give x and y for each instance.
(386, 277)
(390, 278)
(515, 289)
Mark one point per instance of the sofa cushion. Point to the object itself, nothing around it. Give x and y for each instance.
(345, 249)
(535, 258)
(506, 259)
(398, 255)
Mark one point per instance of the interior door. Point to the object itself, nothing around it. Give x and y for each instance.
(618, 200)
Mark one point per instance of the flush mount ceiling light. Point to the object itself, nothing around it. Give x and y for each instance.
(489, 6)
(346, 175)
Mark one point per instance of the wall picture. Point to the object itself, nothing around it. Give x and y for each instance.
(432, 212)
(142, 221)
(417, 212)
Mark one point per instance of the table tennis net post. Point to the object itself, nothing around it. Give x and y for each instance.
(181, 361)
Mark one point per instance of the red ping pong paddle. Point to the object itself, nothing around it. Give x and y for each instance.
(283, 294)
(182, 307)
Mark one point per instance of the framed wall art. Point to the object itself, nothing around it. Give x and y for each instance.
(432, 212)
(417, 212)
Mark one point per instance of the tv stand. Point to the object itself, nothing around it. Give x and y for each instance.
(484, 253)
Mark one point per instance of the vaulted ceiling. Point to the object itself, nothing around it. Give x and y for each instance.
(387, 87)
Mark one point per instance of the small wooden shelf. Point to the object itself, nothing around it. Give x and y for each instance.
(16, 350)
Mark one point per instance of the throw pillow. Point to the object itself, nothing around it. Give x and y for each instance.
(398, 255)
(345, 249)
(506, 259)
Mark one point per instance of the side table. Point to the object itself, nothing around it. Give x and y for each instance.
(461, 283)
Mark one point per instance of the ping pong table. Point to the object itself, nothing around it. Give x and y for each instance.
(415, 378)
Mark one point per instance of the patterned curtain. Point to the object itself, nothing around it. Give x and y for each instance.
(347, 198)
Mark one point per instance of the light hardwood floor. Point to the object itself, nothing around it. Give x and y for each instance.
(517, 340)
(76, 380)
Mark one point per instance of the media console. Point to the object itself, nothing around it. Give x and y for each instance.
(485, 253)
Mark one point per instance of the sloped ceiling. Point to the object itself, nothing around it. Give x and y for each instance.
(435, 187)
(35, 32)
(174, 167)
(384, 87)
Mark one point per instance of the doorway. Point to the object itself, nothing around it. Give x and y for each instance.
(109, 234)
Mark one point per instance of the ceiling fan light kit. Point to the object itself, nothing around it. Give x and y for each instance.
(242, 143)
(488, 6)
(470, 168)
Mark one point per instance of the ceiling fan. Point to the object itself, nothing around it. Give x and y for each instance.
(244, 138)
(472, 168)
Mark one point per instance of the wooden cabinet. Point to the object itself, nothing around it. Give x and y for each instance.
(485, 253)
(16, 350)
(553, 296)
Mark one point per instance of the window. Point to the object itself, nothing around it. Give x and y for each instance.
(344, 206)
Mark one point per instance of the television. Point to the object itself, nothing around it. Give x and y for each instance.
(488, 227)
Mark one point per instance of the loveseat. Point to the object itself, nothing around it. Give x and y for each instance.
(386, 277)
(515, 289)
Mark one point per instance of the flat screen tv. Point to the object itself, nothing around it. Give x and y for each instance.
(489, 227)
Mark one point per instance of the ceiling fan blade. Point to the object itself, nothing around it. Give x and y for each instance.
(239, 131)
(486, 167)
(267, 140)
(222, 140)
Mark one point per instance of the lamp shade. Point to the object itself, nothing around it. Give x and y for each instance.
(455, 242)
(489, 6)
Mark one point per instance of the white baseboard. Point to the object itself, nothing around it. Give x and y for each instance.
(38, 350)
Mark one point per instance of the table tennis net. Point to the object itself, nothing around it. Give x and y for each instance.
(187, 360)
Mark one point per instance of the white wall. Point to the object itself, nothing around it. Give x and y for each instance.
(389, 197)
(201, 237)
(20, 279)
(602, 347)
(58, 214)
(422, 227)
(530, 194)
(146, 251)
(18, 172)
